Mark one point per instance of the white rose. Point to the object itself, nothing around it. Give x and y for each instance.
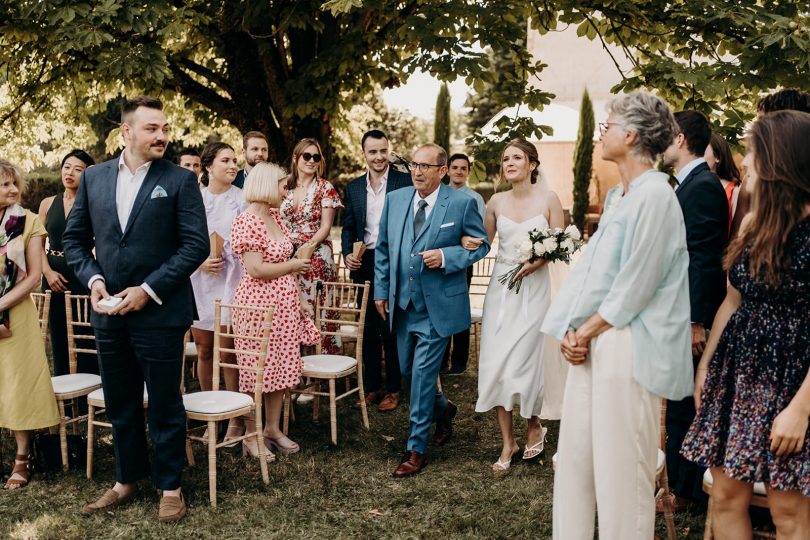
(539, 249)
(567, 245)
(550, 244)
(572, 232)
(525, 248)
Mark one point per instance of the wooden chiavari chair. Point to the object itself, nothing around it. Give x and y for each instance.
(43, 303)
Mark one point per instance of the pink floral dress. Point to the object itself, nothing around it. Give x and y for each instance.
(289, 328)
(303, 223)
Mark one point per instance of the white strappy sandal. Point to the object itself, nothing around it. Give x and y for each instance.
(536, 450)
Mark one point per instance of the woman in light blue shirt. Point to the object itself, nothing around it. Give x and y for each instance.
(623, 318)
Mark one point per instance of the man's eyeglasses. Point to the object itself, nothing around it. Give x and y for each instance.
(311, 157)
(604, 126)
(424, 167)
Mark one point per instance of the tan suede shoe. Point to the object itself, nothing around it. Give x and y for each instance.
(108, 501)
(172, 508)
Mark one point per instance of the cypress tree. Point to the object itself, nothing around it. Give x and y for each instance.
(441, 126)
(583, 161)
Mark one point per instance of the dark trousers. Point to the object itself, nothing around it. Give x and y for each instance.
(377, 338)
(685, 477)
(460, 343)
(129, 357)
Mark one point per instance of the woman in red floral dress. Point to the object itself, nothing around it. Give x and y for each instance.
(260, 237)
(309, 210)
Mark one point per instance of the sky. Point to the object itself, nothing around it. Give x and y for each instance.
(418, 95)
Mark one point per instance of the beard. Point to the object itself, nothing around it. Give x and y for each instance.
(252, 162)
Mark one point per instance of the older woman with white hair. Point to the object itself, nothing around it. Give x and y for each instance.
(623, 318)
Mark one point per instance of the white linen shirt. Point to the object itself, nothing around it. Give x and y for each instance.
(375, 201)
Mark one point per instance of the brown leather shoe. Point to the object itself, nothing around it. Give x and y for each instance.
(108, 501)
(412, 463)
(444, 425)
(172, 508)
(389, 402)
(372, 398)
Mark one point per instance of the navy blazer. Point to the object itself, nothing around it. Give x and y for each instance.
(165, 240)
(354, 211)
(705, 214)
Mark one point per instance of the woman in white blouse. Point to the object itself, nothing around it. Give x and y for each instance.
(217, 277)
(623, 318)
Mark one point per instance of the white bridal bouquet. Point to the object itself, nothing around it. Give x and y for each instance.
(551, 244)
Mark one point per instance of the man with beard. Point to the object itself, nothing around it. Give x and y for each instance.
(364, 200)
(138, 230)
(254, 143)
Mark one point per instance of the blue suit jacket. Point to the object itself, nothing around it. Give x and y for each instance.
(455, 215)
(165, 240)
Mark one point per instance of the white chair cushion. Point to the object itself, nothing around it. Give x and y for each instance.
(98, 395)
(328, 363)
(67, 384)
(191, 350)
(759, 487)
(662, 459)
(215, 402)
(476, 313)
(348, 329)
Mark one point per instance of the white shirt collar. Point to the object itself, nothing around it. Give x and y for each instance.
(689, 167)
(430, 199)
(122, 165)
(383, 179)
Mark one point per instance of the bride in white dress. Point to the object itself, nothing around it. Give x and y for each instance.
(511, 363)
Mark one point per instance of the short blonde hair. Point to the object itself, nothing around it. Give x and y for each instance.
(261, 185)
(9, 170)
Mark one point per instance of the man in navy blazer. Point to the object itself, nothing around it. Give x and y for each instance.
(421, 287)
(145, 218)
(364, 200)
(705, 215)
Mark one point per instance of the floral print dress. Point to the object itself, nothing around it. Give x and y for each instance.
(303, 222)
(761, 361)
(289, 328)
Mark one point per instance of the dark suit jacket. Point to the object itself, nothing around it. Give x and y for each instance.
(354, 211)
(239, 181)
(705, 214)
(165, 240)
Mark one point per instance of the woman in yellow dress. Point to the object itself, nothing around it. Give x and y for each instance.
(26, 395)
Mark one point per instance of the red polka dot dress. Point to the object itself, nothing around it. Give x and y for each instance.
(289, 328)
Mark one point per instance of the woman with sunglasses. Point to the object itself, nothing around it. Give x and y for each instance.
(309, 211)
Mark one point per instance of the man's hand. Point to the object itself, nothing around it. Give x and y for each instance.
(213, 266)
(382, 308)
(471, 243)
(432, 258)
(98, 291)
(573, 351)
(698, 339)
(352, 263)
(135, 299)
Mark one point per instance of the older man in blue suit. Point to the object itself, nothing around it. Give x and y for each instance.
(420, 286)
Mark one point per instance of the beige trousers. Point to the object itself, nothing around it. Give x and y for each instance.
(608, 447)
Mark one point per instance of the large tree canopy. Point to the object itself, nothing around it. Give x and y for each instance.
(289, 67)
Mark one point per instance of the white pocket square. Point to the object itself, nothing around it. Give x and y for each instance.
(158, 192)
(443, 225)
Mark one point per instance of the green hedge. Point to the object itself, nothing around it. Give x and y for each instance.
(40, 187)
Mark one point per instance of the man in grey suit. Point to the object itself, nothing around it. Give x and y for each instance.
(144, 217)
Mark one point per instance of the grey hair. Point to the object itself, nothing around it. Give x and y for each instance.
(650, 118)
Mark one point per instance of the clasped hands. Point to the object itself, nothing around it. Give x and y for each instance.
(574, 348)
(134, 299)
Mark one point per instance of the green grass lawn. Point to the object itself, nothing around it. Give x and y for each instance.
(324, 491)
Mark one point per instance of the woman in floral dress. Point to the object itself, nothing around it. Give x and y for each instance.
(752, 385)
(260, 237)
(309, 210)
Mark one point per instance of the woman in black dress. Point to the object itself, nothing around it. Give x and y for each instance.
(753, 383)
(56, 276)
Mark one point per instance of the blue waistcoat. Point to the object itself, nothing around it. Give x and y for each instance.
(409, 273)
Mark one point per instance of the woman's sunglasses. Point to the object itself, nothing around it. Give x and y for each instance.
(311, 157)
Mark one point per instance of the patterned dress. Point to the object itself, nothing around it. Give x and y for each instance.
(303, 223)
(761, 361)
(289, 328)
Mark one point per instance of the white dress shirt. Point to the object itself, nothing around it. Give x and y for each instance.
(681, 175)
(375, 201)
(127, 186)
(431, 202)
